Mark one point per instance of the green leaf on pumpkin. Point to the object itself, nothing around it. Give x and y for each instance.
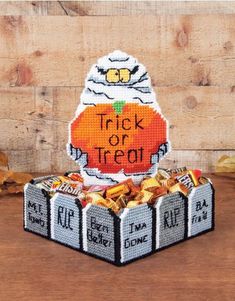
(118, 106)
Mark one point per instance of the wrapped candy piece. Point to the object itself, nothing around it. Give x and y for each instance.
(98, 188)
(47, 184)
(195, 175)
(159, 191)
(177, 170)
(163, 174)
(179, 187)
(168, 182)
(108, 203)
(134, 190)
(133, 204)
(74, 176)
(94, 197)
(149, 184)
(144, 196)
(68, 188)
(117, 190)
(122, 201)
(186, 180)
(202, 180)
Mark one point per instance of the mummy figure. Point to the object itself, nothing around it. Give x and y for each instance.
(118, 131)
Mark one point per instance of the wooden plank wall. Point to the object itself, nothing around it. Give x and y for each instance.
(46, 49)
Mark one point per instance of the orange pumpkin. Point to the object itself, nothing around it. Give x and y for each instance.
(116, 141)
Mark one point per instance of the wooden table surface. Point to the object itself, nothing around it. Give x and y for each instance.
(33, 268)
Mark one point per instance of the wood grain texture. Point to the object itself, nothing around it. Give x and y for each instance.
(198, 270)
(35, 132)
(187, 47)
(114, 8)
(198, 116)
(57, 160)
(122, 8)
(177, 50)
(23, 8)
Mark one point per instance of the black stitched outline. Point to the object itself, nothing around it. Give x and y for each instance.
(76, 155)
(99, 93)
(101, 70)
(100, 178)
(140, 80)
(117, 239)
(185, 215)
(80, 232)
(48, 203)
(71, 171)
(147, 102)
(111, 85)
(213, 207)
(137, 89)
(95, 82)
(116, 84)
(134, 70)
(137, 174)
(88, 104)
(119, 60)
(154, 226)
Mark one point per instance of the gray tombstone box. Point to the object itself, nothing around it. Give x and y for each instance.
(171, 217)
(136, 232)
(122, 238)
(99, 226)
(36, 210)
(200, 209)
(66, 220)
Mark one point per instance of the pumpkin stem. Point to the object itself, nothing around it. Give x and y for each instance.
(118, 106)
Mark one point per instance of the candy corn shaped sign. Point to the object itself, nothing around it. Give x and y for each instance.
(118, 131)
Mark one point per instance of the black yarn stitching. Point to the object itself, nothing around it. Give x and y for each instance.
(99, 93)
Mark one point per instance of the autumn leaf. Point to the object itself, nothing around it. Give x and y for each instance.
(19, 177)
(4, 175)
(225, 164)
(13, 182)
(3, 159)
(15, 189)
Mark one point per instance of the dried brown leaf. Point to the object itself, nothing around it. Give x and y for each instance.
(19, 177)
(15, 188)
(3, 159)
(225, 164)
(222, 158)
(4, 175)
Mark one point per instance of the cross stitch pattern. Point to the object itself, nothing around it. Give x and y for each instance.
(118, 131)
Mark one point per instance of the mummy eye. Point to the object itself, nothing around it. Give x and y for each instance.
(112, 76)
(125, 75)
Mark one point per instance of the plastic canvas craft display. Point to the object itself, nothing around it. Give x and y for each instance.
(119, 133)
(122, 238)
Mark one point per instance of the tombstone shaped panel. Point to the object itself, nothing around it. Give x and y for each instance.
(200, 209)
(170, 219)
(36, 210)
(98, 232)
(136, 232)
(66, 220)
